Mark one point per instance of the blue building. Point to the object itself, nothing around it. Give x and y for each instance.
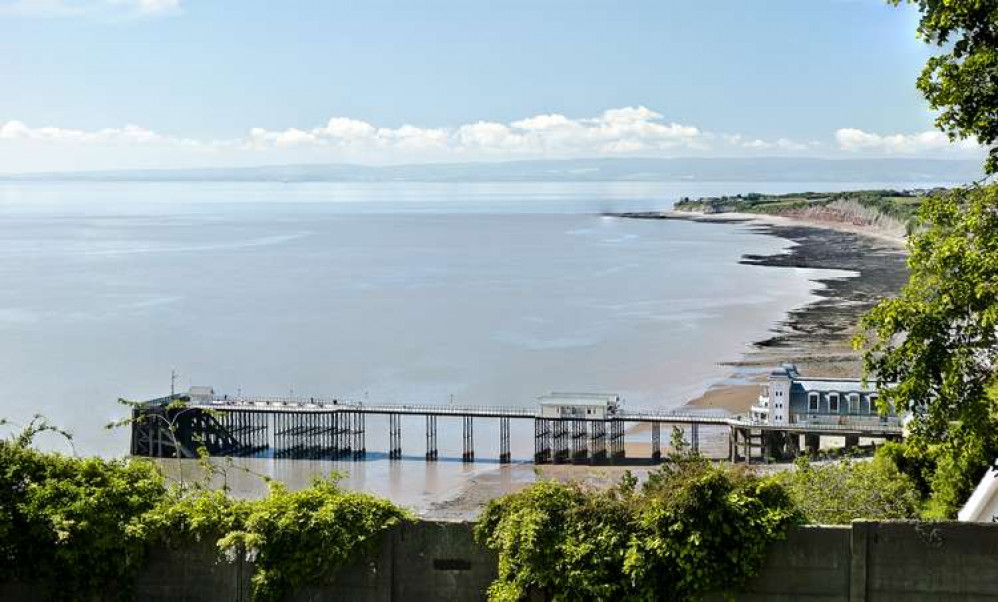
(788, 398)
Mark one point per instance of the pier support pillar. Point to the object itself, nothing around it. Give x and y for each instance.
(579, 437)
(394, 436)
(559, 437)
(656, 441)
(617, 451)
(359, 448)
(746, 446)
(852, 441)
(695, 437)
(542, 441)
(468, 453)
(504, 452)
(597, 441)
(812, 444)
(431, 438)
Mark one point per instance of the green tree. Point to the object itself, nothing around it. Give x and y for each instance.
(840, 492)
(938, 340)
(962, 82)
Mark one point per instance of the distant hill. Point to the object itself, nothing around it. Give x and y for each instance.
(566, 170)
(890, 212)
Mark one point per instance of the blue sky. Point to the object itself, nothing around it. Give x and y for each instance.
(94, 84)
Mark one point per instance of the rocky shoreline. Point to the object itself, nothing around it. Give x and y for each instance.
(818, 336)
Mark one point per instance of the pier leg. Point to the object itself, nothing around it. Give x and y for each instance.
(617, 440)
(852, 441)
(656, 441)
(578, 441)
(559, 437)
(395, 436)
(359, 448)
(597, 441)
(504, 452)
(431, 438)
(542, 441)
(468, 454)
(747, 450)
(733, 444)
(812, 443)
(695, 438)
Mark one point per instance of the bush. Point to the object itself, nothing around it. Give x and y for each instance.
(84, 525)
(73, 523)
(840, 492)
(692, 528)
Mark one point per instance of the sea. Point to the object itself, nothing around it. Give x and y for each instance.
(462, 293)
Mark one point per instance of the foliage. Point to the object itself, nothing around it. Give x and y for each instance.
(70, 522)
(839, 492)
(938, 341)
(297, 538)
(892, 209)
(86, 524)
(962, 82)
(693, 527)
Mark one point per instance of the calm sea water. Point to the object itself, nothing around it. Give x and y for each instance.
(476, 293)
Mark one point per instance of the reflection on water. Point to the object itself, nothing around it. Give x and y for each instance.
(410, 482)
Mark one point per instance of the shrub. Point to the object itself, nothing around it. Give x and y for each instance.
(839, 492)
(84, 525)
(692, 528)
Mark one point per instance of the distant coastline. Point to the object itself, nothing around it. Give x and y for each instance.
(818, 335)
(599, 169)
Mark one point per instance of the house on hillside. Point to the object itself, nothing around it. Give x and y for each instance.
(789, 398)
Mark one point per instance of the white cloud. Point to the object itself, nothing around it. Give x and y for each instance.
(158, 6)
(76, 8)
(858, 141)
(129, 134)
(625, 131)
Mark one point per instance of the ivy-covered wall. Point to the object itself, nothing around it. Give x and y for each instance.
(903, 561)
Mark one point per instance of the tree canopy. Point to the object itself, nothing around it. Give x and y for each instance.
(962, 82)
(937, 342)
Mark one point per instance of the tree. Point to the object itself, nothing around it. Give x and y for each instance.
(962, 83)
(937, 342)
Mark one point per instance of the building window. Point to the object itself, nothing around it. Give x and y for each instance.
(813, 402)
(873, 404)
(833, 403)
(854, 403)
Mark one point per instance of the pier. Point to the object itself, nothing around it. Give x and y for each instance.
(567, 428)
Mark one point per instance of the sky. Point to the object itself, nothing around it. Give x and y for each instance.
(120, 84)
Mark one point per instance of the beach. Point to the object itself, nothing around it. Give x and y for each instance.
(817, 337)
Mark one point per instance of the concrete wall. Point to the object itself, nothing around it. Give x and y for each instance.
(868, 561)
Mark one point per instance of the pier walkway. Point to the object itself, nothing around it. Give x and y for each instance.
(185, 425)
